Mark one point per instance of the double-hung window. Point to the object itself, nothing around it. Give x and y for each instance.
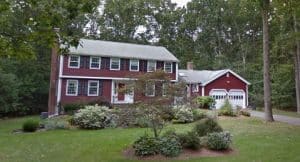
(72, 88)
(114, 63)
(95, 62)
(134, 65)
(150, 89)
(93, 88)
(151, 66)
(74, 61)
(164, 89)
(195, 88)
(168, 67)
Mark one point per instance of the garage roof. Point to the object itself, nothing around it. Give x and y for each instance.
(122, 50)
(205, 76)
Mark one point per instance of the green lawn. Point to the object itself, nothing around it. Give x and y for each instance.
(255, 141)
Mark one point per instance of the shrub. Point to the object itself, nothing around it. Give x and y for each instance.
(101, 102)
(170, 145)
(226, 109)
(219, 141)
(207, 125)
(198, 114)
(95, 117)
(128, 116)
(72, 108)
(142, 122)
(183, 114)
(190, 140)
(146, 146)
(56, 123)
(204, 101)
(167, 113)
(30, 125)
(245, 113)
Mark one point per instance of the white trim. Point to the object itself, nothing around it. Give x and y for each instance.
(90, 81)
(58, 97)
(148, 65)
(163, 89)
(138, 65)
(109, 78)
(112, 91)
(152, 95)
(171, 67)
(91, 57)
(247, 98)
(202, 91)
(111, 63)
(221, 74)
(197, 87)
(69, 60)
(68, 87)
(177, 72)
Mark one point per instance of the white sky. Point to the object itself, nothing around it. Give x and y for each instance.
(181, 2)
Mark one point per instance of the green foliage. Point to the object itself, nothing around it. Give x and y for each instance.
(204, 101)
(30, 125)
(226, 109)
(95, 117)
(170, 145)
(198, 114)
(183, 114)
(146, 146)
(72, 107)
(60, 122)
(219, 140)
(205, 126)
(190, 140)
(128, 116)
(244, 113)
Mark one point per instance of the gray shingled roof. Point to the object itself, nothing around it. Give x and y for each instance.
(198, 76)
(122, 50)
(205, 76)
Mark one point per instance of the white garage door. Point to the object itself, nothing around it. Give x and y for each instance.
(219, 95)
(237, 98)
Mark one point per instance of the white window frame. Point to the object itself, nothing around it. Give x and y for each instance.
(171, 67)
(67, 87)
(111, 59)
(148, 70)
(164, 90)
(195, 89)
(153, 87)
(69, 61)
(91, 58)
(138, 65)
(93, 81)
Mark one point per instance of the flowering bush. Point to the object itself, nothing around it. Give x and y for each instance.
(95, 117)
(183, 114)
(219, 141)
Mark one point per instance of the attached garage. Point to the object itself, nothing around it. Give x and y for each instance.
(220, 84)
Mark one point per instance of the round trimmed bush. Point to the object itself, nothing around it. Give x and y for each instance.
(170, 145)
(219, 140)
(183, 114)
(190, 140)
(146, 146)
(207, 125)
(30, 125)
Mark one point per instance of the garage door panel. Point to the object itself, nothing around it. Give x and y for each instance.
(236, 97)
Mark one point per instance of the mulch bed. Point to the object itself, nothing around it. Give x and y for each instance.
(185, 154)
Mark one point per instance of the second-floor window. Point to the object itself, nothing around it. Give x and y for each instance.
(72, 88)
(114, 64)
(74, 61)
(93, 88)
(134, 65)
(168, 67)
(95, 62)
(151, 66)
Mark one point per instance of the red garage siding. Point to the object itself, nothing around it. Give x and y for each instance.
(83, 98)
(224, 82)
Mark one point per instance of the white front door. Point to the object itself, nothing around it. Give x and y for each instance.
(219, 95)
(237, 98)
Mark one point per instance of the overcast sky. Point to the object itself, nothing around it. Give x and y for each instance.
(181, 2)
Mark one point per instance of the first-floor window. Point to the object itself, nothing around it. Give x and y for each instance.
(93, 88)
(164, 89)
(168, 67)
(150, 89)
(72, 87)
(114, 64)
(195, 88)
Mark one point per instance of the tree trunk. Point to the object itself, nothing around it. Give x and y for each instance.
(266, 62)
(297, 66)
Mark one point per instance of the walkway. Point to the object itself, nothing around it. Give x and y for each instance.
(281, 118)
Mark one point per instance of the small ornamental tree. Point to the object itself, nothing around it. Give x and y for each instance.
(152, 108)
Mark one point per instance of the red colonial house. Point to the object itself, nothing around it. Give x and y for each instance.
(96, 69)
(219, 84)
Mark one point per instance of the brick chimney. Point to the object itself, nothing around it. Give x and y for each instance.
(190, 65)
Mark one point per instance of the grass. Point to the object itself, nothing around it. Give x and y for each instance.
(255, 141)
(284, 112)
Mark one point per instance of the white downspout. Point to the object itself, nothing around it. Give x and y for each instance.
(203, 90)
(58, 99)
